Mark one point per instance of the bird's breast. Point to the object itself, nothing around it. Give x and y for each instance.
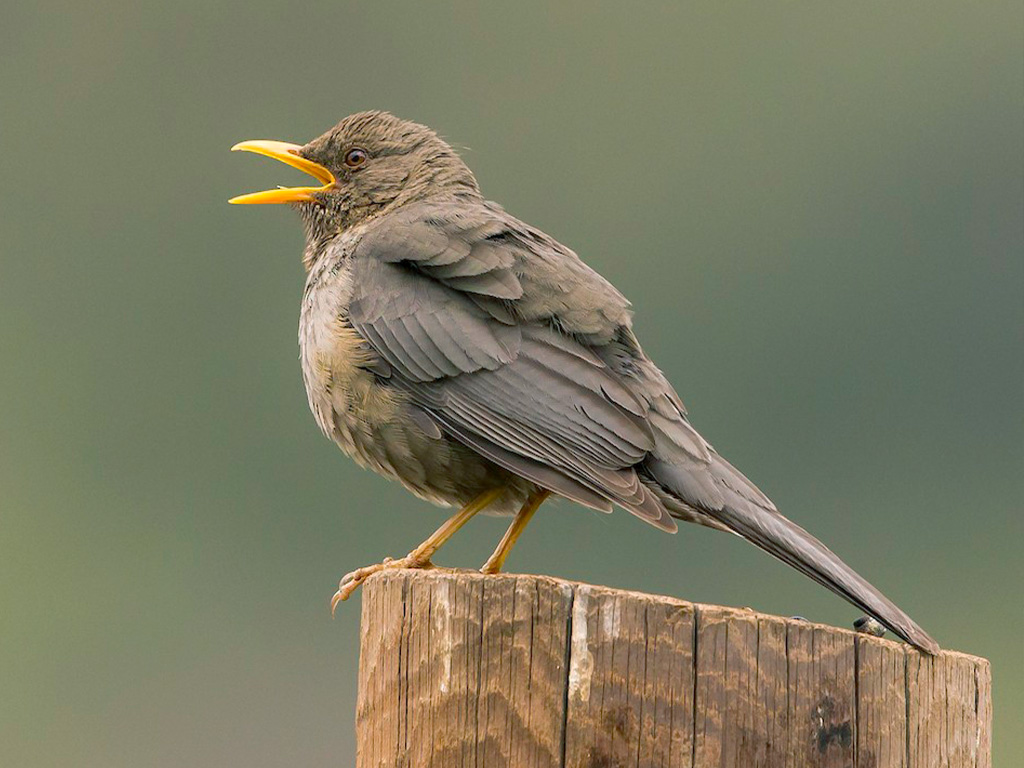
(348, 401)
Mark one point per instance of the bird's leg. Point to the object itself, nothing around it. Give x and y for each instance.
(496, 561)
(419, 557)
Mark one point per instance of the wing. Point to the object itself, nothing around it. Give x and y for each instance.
(441, 298)
(520, 351)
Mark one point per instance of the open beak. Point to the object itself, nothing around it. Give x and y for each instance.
(286, 153)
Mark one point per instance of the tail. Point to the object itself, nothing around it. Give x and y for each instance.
(720, 492)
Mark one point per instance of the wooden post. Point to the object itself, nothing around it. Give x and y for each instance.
(459, 669)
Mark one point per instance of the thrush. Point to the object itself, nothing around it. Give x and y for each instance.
(480, 363)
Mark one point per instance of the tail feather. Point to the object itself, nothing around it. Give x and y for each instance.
(739, 506)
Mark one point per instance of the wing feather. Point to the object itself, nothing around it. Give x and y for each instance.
(511, 345)
(523, 393)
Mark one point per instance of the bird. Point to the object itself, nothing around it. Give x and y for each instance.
(449, 346)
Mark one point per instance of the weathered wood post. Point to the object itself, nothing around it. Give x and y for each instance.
(458, 669)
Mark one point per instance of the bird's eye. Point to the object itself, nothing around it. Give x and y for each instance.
(355, 157)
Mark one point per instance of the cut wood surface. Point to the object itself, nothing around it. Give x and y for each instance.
(459, 669)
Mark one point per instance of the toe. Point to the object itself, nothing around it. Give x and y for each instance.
(350, 582)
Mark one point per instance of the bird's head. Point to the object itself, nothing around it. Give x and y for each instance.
(369, 162)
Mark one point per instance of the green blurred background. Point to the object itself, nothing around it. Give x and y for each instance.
(816, 208)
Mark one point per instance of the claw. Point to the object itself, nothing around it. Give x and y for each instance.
(351, 581)
(338, 597)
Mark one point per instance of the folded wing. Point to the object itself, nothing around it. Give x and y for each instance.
(517, 349)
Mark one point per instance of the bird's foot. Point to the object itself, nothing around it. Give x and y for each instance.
(350, 582)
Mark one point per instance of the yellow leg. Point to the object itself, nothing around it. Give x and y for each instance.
(496, 561)
(419, 557)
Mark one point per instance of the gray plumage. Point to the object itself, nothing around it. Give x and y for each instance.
(450, 346)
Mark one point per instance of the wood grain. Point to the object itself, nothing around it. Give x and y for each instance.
(459, 669)
(630, 680)
(881, 725)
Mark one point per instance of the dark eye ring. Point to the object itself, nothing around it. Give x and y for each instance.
(355, 157)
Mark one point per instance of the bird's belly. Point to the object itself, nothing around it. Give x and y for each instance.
(374, 423)
(358, 412)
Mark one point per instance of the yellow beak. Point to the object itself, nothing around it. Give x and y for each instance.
(286, 153)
